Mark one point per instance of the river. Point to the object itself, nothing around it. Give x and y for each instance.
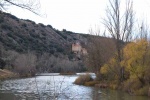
(57, 87)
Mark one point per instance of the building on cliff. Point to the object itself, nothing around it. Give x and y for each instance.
(78, 49)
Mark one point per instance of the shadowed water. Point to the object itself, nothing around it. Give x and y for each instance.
(57, 88)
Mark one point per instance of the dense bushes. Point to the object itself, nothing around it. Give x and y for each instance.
(50, 26)
(1, 18)
(136, 61)
(50, 63)
(82, 79)
(6, 27)
(24, 25)
(2, 63)
(12, 16)
(27, 64)
(91, 83)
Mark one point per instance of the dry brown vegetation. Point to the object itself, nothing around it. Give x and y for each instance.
(27, 64)
(82, 79)
(6, 74)
(91, 83)
(100, 50)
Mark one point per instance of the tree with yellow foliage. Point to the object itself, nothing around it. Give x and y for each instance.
(119, 24)
(137, 60)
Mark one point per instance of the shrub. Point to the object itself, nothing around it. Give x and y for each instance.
(1, 20)
(25, 64)
(64, 30)
(142, 91)
(42, 25)
(52, 51)
(24, 25)
(113, 86)
(132, 85)
(44, 34)
(82, 79)
(6, 74)
(34, 35)
(59, 49)
(13, 17)
(70, 56)
(91, 83)
(6, 27)
(2, 63)
(49, 26)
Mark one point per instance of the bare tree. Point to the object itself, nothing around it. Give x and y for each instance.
(50, 63)
(10, 57)
(143, 30)
(119, 23)
(2, 62)
(30, 5)
(25, 64)
(100, 50)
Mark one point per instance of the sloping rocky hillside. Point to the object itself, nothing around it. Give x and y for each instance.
(25, 35)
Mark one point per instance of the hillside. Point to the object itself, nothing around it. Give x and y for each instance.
(27, 47)
(25, 35)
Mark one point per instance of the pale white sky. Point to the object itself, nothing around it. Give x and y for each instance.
(76, 15)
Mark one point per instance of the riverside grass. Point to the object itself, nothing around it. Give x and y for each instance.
(82, 79)
(6, 74)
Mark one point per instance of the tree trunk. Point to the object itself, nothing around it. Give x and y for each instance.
(119, 59)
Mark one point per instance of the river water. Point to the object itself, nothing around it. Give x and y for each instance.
(57, 87)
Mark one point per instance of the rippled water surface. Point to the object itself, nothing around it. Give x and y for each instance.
(57, 88)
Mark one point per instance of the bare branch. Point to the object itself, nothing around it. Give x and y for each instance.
(30, 5)
(120, 27)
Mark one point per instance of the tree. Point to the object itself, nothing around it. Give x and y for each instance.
(30, 5)
(2, 62)
(137, 60)
(143, 30)
(100, 50)
(10, 57)
(119, 25)
(25, 64)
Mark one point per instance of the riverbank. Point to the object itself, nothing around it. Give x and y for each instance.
(68, 73)
(87, 80)
(6, 74)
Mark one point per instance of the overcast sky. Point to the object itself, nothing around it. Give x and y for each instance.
(76, 15)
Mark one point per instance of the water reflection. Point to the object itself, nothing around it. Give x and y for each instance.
(107, 94)
(57, 88)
